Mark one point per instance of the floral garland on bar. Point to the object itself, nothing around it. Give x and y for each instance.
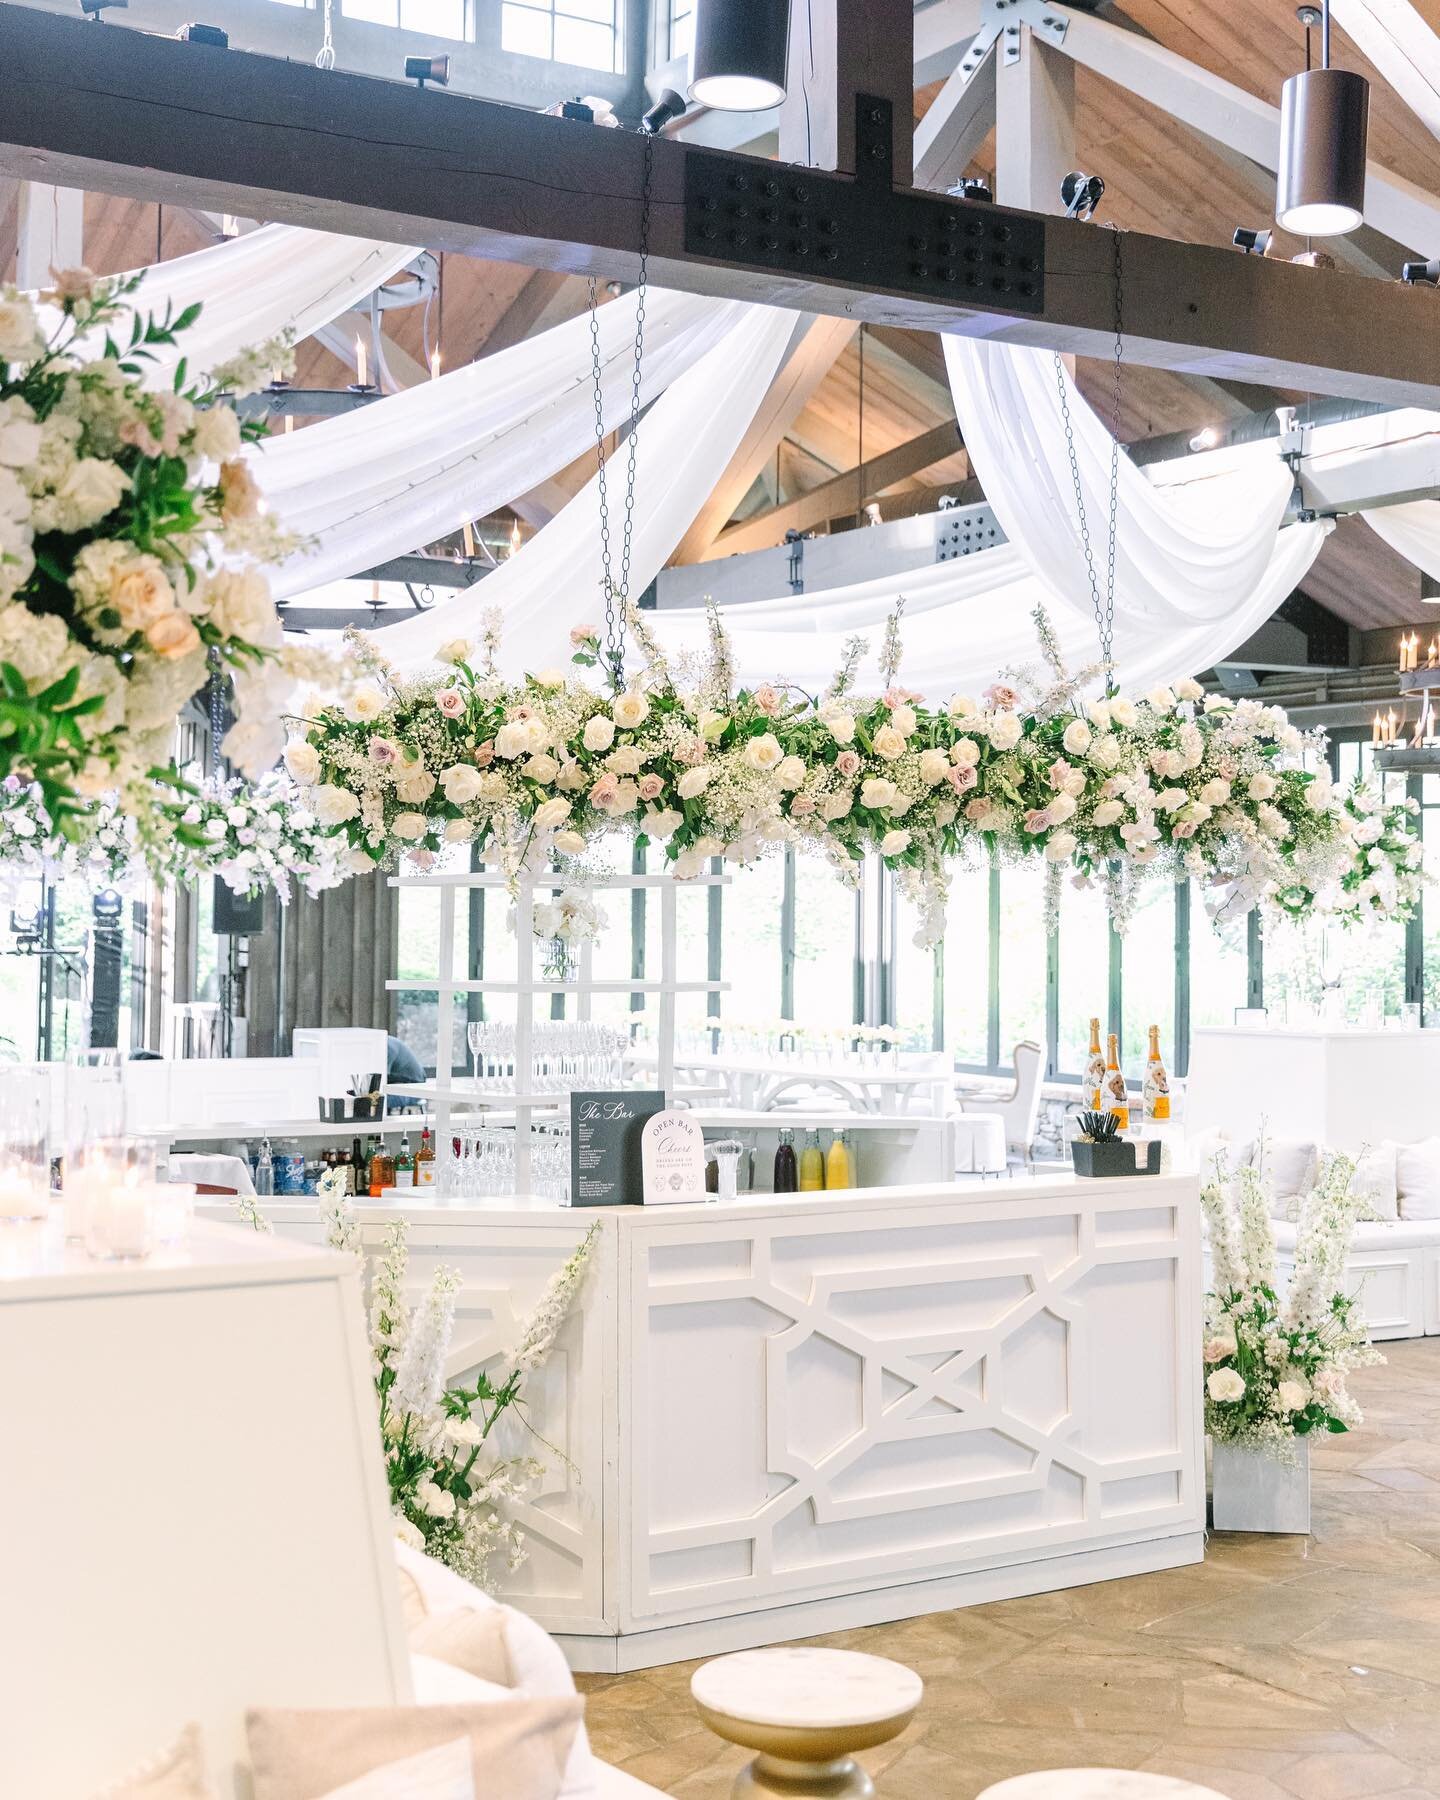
(1175, 782)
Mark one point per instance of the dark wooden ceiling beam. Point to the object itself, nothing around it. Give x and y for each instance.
(154, 118)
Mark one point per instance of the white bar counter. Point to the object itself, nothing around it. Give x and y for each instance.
(811, 1412)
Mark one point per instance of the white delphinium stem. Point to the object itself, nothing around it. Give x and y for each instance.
(543, 1325)
(1257, 1229)
(248, 1208)
(420, 1372)
(1322, 1242)
(387, 1295)
(342, 1228)
(1225, 1253)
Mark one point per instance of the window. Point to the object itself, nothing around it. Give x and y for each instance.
(585, 33)
(750, 957)
(435, 18)
(967, 968)
(1084, 956)
(1022, 957)
(1148, 976)
(824, 978)
(682, 26)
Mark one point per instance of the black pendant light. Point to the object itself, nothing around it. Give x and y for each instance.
(738, 63)
(1324, 115)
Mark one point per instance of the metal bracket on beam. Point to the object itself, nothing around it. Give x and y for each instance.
(1000, 22)
(966, 530)
(864, 230)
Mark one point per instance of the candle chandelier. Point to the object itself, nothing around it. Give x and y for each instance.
(1399, 749)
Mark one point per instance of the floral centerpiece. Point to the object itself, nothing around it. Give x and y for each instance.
(562, 924)
(130, 533)
(1175, 782)
(1276, 1369)
(258, 836)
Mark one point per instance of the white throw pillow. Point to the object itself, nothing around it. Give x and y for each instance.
(1417, 1178)
(438, 1683)
(443, 1773)
(1376, 1179)
(1288, 1165)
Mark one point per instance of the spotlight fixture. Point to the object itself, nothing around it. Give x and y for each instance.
(95, 9)
(614, 289)
(739, 55)
(1421, 274)
(1205, 439)
(1253, 243)
(948, 503)
(971, 187)
(421, 69)
(872, 512)
(195, 33)
(1324, 116)
(670, 105)
(1080, 194)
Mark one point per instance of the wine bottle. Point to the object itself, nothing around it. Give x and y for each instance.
(1157, 1082)
(1117, 1096)
(1094, 1081)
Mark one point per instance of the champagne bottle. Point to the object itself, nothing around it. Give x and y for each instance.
(1094, 1081)
(425, 1161)
(1117, 1096)
(1157, 1082)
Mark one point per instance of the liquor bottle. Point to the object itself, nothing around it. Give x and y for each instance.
(787, 1175)
(1116, 1096)
(1094, 1081)
(812, 1164)
(404, 1164)
(839, 1163)
(359, 1173)
(1157, 1082)
(265, 1170)
(382, 1170)
(425, 1161)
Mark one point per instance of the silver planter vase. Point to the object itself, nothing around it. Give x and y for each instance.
(1254, 1491)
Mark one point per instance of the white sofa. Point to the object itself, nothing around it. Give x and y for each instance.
(1394, 1264)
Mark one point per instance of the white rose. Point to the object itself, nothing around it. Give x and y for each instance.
(1161, 699)
(711, 726)
(414, 785)
(461, 783)
(662, 822)
(19, 333)
(599, 733)
(302, 759)
(934, 766)
(459, 831)
(438, 1502)
(1005, 730)
(542, 768)
(365, 702)
(571, 778)
(513, 738)
(764, 752)
(1225, 1384)
(791, 772)
(1059, 846)
(877, 793)
(889, 743)
(1105, 752)
(1171, 799)
(630, 710)
(837, 806)
(1319, 795)
(693, 782)
(216, 433)
(1123, 713)
(456, 651)
(1061, 808)
(570, 842)
(1077, 737)
(1101, 716)
(334, 805)
(1294, 1396)
(409, 825)
(1260, 787)
(552, 812)
(894, 843)
(841, 726)
(1107, 812)
(1216, 792)
(904, 720)
(550, 680)
(1189, 690)
(965, 753)
(91, 489)
(624, 761)
(962, 707)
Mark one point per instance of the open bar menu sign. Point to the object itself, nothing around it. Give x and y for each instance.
(605, 1156)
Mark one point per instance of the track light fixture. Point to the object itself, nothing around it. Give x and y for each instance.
(739, 56)
(1080, 194)
(1253, 243)
(668, 105)
(421, 69)
(1324, 117)
(1205, 439)
(95, 9)
(1421, 274)
(971, 187)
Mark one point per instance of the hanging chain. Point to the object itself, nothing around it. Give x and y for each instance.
(611, 590)
(217, 712)
(1104, 610)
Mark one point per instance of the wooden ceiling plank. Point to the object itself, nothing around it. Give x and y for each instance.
(524, 312)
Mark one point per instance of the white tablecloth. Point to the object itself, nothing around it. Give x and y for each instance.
(212, 1170)
(979, 1143)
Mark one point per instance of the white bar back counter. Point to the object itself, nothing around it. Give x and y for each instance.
(811, 1412)
(1327, 1086)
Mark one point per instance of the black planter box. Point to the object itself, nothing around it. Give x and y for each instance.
(1118, 1158)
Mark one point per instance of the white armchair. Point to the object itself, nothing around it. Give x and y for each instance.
(1020, 1108)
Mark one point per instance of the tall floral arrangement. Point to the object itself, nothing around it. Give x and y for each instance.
(449, 1497)
(1175, 782)
(1276, 1370)
(131, 531)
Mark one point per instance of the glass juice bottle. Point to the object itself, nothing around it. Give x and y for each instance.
(839, 1163)
(787, 1174)
(812, 1164)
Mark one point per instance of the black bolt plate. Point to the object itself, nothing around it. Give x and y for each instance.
(805, 222)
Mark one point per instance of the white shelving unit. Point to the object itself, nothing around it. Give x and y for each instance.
(444, 1093)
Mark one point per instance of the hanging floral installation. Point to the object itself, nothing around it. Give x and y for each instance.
(1175, 782)
(131, 534)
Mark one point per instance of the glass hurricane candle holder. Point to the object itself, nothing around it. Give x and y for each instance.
(95, 1167)
(24, 1143)
(120, 1223)
(174, 1213)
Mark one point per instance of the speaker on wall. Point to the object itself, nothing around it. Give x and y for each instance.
(234, 915)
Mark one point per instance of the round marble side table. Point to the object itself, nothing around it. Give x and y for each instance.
(806, 1712)
(1097, 1784)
